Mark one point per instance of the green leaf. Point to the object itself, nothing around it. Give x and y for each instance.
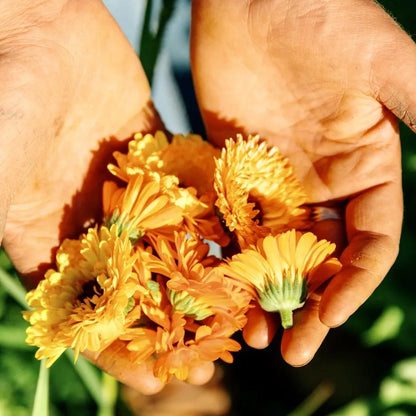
(14, 288)
(313, 402)
(359, 407)
(386, 327)
(406, 370)
(151, 40)
(394, 392)
(41, 403)
(13, 337)
(109, 393)
(89, 374)
(5, 262)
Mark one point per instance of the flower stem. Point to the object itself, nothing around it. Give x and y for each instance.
(313, 402)
(14, 288)
(109, 393)
(41, 402)
(286, 316)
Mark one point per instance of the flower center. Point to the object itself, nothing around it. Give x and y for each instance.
(89, 289)
(258, 218)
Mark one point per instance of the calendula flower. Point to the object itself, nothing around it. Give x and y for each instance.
(194, 273)
(189, 158)
(140, 208)
(142, 150)
(192, 160)
(195, 286)
(258, 192)
(88, 301)
(177, 346)
(208, 343)
(281, 270)
(185, 169)
(190, 310)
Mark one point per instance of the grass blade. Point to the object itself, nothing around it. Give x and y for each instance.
(89, 375)
(313, 402)
(41, 402)
(14, 288)
(109, 393)
(151, 41)
(13, 337)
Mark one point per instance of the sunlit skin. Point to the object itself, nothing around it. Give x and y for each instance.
(326, 82)
(313, 77)
(70, 80)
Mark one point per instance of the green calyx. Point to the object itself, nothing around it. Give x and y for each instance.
(130, 305)
(284, 298)
(134, 234)
(188, 305)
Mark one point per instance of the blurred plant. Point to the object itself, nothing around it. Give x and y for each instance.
(156, 18)
(86, 389)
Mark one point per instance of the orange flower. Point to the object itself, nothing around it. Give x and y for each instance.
(282, 269)
(140, 208)
(190, 310)
(189, 158)
(192, 161)
(257, 190)
(142, 150)
(208, 344)
(185, 170)
(87, 302)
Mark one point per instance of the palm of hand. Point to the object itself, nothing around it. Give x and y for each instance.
(76, 82)
(75, 90)
(292, 75)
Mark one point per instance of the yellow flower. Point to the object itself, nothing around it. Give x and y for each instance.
(188, 256)
(282, 269)
(140, 208)
(257, 190)
(142, 150)
(189, 158)
(87, 302)
(185, 169)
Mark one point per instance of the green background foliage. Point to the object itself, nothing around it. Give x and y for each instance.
(367, 367)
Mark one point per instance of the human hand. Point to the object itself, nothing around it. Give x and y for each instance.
(326, 82)
(72, 91)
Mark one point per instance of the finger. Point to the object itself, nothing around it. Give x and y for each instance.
(202, 373)
(300, 343)
(332, 230)
(117, 361)
(260, 328)
(373, 222)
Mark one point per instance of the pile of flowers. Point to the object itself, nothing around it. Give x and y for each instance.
(145, 276)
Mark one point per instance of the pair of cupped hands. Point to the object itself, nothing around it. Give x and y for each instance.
(325, 81)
